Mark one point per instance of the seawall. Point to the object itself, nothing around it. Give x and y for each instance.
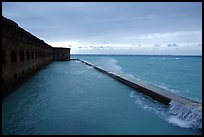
(162, 95)
(23, 54)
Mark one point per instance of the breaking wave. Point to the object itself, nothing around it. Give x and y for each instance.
(185, 116)
(110, 64)
(149, 104)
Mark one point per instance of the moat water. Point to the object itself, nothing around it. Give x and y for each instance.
(73, 98)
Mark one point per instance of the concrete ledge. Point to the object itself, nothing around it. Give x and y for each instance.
(162, 95)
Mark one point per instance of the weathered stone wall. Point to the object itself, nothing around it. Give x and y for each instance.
(61, 54)
(23, 54)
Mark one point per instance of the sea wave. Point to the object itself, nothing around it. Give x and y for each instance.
(148, 104)
(109, 64)
(89, 67)
(185, 116)
(164, 86)
(178, 122)
(168, 58)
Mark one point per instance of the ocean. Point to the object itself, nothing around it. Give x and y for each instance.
(73, 98)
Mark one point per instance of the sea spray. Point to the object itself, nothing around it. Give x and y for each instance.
(110, 64)
(148, 104)
(185, 115)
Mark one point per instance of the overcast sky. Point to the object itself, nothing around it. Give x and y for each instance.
(113, 27)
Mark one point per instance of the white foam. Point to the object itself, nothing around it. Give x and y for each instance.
(177, 114)
(178, 122)
(163, 86)
(130, 76)
(89, 67)
(185, 115)
(132, 94)
(110, 64)
(148, 104)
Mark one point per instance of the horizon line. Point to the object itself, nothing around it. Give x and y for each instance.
(137, 54)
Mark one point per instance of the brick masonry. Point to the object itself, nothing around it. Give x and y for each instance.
(23, 54)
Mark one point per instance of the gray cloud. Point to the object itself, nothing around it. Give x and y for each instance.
(87, 21)
(105, 23)
(156, 45)
(172, 45)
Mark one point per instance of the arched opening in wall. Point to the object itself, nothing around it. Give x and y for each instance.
(3, 81)
(36, 55)
(23, 72)
(32, 55)
(22, 56)
(15, 76)
(29, 69)
(13, 57)
(28, 55)
(3, 57)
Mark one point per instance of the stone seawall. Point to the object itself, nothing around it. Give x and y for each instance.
(162, 95)
(180, 108)
(23, 54)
